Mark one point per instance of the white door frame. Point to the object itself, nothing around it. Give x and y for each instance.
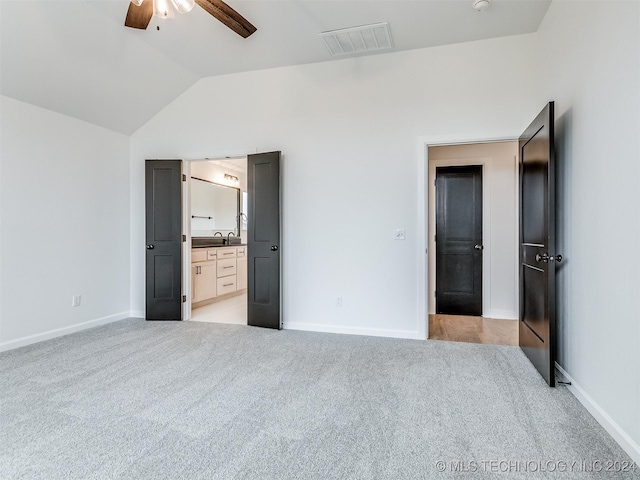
(422, 146)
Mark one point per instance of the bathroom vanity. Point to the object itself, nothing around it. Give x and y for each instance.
(217, 273)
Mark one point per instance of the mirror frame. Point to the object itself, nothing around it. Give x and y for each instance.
(238, 199)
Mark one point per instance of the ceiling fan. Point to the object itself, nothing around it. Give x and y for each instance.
(140, 13)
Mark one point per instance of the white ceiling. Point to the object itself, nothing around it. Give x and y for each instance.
(77, 58)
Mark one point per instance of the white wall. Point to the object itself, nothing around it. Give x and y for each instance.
(589, 60)
(65, 224)
(347, 130)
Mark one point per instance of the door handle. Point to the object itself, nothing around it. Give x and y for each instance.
(274, 248)
(479, 247)
(546, 258)
(150, 247)
(543, 258)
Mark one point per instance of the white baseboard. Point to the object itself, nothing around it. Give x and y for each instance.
(137, 314)
(609, 424)
(371, 332)
(501, 315)
(59, 332)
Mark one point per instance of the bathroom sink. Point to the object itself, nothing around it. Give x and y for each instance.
(207, 241)
(233, 241)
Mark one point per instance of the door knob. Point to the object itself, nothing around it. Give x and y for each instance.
(479, 247)
(274, 248)
(543, 258)
(150, 247)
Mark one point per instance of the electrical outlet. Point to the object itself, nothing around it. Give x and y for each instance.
(75, 300)
(339, 302)
(399, 234)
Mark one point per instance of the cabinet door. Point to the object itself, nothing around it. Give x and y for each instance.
(226, 267)
(194, 282)
(227, 285)
(204, 286)
(198, 255)
(241, 273)
(226, 253)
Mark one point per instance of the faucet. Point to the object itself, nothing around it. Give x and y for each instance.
(228, 239)
(217, 233)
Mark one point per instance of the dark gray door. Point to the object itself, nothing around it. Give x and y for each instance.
(538, 257)
(264, 240)
(163, 192)
(459, 240)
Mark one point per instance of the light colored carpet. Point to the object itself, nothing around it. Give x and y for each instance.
(153, 400)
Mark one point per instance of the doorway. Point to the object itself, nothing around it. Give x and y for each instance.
(248, 261)
(495, 232)
(217, 201)
(174, 283)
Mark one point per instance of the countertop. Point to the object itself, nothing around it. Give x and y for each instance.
(220, 246)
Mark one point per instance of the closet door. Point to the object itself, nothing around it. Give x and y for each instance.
(263, 250)
(163, 224)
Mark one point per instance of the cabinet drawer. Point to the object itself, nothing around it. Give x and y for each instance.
(226, 285)
(226, 252)
(242, 251)
(211, 254)
(198, 255)
(226, 267)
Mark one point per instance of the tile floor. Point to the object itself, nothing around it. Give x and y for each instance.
(232, 310)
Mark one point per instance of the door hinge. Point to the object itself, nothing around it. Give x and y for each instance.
(184, 238)
(184, 299)
(184, 177)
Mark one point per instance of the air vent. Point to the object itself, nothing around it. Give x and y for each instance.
(349, 41)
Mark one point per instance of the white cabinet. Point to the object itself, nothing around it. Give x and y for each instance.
(217, 271)
(227, 271)
(204, 284)
(203, 274)
(241, 269)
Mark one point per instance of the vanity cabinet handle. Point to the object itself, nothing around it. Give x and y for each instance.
(227, 284)
(230, 266)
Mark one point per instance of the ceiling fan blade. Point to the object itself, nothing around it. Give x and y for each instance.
(228, 16)
(139, 17)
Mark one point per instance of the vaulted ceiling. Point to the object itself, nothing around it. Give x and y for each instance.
(77, 58)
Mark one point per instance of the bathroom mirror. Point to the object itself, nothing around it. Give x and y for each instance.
(214, 208)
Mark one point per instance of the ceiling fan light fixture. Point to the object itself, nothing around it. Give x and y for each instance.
(163, 9)
(183, 6)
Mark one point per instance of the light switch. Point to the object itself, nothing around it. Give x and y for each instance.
(399, 234)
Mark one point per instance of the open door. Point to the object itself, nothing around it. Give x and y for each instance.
(264, 240)
(538, 257)
(163, 223)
